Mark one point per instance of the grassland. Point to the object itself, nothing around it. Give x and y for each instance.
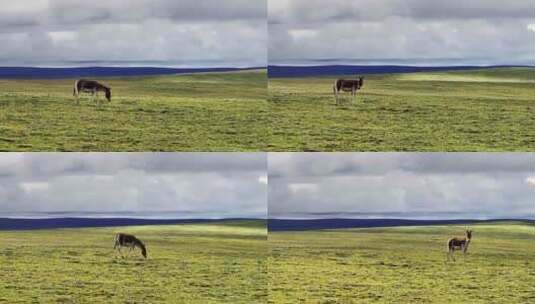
(200, 112)
(205, 263)
(478, 110)
(402, 265)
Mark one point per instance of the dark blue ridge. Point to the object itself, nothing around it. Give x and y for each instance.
(59, 73)
(53, 223)
(316, 224)
(281, 71)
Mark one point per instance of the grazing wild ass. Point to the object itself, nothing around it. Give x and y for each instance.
(130, 241)
(347, 85)
(458, 243)
(90, 86)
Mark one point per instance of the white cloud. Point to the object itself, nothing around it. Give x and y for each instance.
(62, 36)
(530, 180)
(30, 187)
(302, 34)
(302, 187)
(263, 179)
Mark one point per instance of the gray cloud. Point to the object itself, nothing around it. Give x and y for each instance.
(310, 11)
(179, 32)
(69, 11)
(435, 184)
(219, 184)
(475, 32)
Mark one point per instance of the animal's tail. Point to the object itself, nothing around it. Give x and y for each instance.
(448, 252)
(116, 241)
(448, 245)
(335, 89)
(75, 90)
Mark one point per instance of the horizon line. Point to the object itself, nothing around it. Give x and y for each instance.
(129, 217)
(132, 67)
(528, 218)
(401, 65)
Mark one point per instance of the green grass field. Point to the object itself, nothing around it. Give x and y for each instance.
(201, 263)
(479, 110)
(199, 112)
(380, 266)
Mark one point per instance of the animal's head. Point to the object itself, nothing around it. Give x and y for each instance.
(361, 81)
(468, 233)
(108, 95)
(144, 251)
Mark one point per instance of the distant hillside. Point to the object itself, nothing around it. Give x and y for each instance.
(61, 73)
(53, 223)
(316, 224)
(326, 70)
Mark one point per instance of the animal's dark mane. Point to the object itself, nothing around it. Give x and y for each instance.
(91, 83)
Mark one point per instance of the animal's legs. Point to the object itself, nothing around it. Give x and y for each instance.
(75, 92)
(97, 99)
(129, 250)
(334, 92)
(120, 252)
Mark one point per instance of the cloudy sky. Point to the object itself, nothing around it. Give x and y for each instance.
(413, 185)
(209, 184)
(408, 31)
(169, 32)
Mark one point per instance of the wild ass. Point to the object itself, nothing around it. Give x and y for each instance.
(457, 243)
(130, 241)
(90, 86)
(347, 85)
